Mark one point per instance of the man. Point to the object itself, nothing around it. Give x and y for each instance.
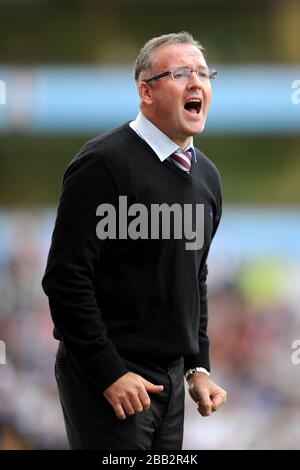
(128, 297)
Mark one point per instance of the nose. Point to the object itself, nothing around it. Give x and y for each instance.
(195, 81)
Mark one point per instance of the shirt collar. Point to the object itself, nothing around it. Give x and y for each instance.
(160, 143)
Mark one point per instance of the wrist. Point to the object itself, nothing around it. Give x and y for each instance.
(193, 370)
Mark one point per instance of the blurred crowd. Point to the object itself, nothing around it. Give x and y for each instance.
(252, 358)
(30, 416)
(253, 322)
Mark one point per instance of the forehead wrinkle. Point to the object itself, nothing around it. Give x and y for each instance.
(171, 60)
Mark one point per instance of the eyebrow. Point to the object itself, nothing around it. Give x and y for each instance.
(204, 67)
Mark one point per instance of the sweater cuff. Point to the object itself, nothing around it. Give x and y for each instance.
(198, 360)
(105, 368)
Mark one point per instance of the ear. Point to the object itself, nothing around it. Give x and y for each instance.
(145, 93)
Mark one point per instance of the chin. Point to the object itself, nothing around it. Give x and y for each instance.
(194, 130)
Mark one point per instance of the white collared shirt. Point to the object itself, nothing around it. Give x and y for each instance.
(160, 143)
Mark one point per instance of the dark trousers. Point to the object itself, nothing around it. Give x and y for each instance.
(91, 422)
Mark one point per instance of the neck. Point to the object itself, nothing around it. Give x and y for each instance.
(181, 142)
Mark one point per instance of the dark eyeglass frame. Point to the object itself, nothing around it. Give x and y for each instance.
(208, 74)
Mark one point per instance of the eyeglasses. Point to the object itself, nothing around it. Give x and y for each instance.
(185, 73)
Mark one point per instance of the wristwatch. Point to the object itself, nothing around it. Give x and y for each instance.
(196, 369)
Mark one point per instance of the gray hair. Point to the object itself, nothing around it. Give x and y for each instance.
(144, 60)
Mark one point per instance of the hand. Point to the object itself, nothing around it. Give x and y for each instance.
(128, 395)
(208, 396)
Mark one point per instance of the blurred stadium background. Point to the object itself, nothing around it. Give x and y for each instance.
(67, 71)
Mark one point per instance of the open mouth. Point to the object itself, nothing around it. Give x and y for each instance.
(193, 106)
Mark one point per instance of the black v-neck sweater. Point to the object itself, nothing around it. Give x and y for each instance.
(136, 298)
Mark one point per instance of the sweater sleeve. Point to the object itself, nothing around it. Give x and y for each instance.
(202, 358)
(71, 269)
